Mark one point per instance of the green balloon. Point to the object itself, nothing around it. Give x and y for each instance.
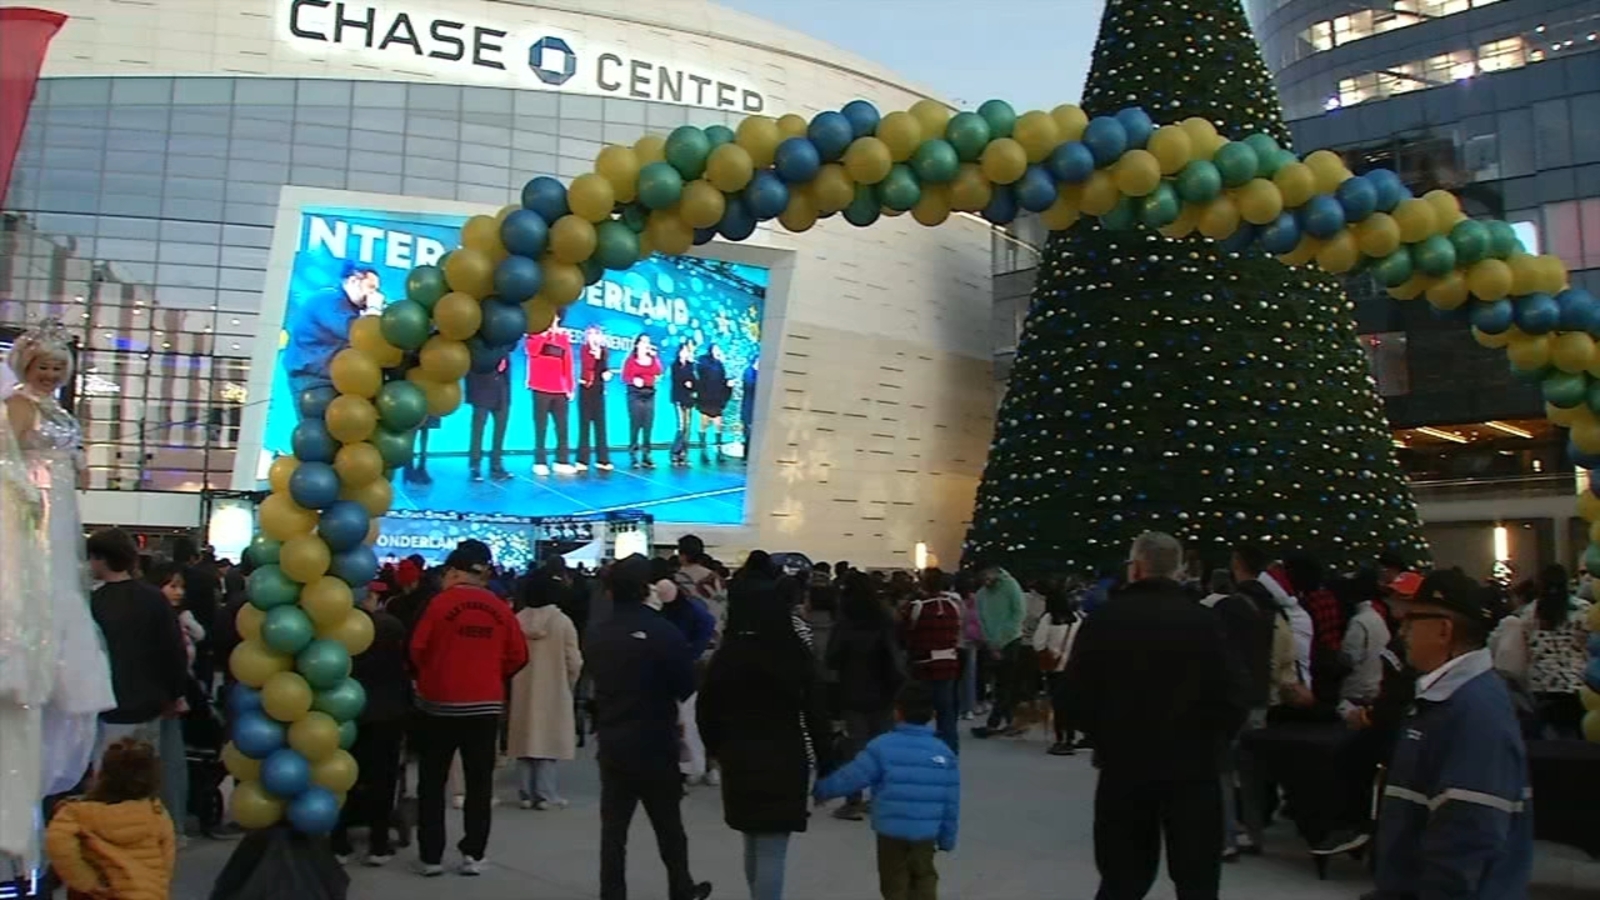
(1123, 216)
(864, 209)
(1565, 389)
(687, 148)
(405, 324)
(1393, 270)
(900, 190)
(1160, 207)
(935, 162)
(323, 663)
(347, 735)
(616, 246)
(1531, 375)
(269, 588)
(1199, 182)
(719, 135)
(1434, 256)
(1000, 116)
(1267, 150)
(1591, 557)
(425, 285)
(1503, 240)
(1471, 240)
(1237, 163)
(264, 550)
(393, 446)
(287, 630)
(968, 133)
(344, 701)
(660, 185)
(401, 405)
(593, 271)
(635, 217)
(1592, 397)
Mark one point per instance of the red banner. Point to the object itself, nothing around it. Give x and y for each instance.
(25, 35)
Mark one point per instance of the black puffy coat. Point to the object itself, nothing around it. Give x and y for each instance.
(868, 663)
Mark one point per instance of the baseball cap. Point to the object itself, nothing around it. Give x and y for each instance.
(1455, 592)
(470, 556)
(1405, 585)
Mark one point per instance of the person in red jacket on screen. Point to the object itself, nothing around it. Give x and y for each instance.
(465, 648)
(640, 372)
(550, 379)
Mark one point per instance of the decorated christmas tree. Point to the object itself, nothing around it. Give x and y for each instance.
(1174, 384)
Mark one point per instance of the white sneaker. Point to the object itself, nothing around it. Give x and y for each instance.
(713, 778)
(458, 801)
(378, 860)
(581, 467)
(527, 804)
(565, 469)
(558, 803)
(429, 870)
(342, 859)
(471, 866)
(604, 467)
(541, 469)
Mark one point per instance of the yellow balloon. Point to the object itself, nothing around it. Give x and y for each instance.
(729, 168)
(970, 191)
(1591, 719)
(1529, 352)
(457, 315)
(1219, 219)
(1100, 194)
(366, 335)
(1003, 161)
(305, 558)
(1328, 169)
(248, 620)
(832, 188)
(354, 631)
(901, 133)
(253, 662)
(316, 737)
(482, 234)
(375, 496)
(286, 697)
(357, 464)
(620, 166)
(444, 397)
(1416, 220)
(1412, 288)
(281, 518)
(1203, 137)
(1446, 209)
(650, 148)
(350, 419)
(354, 372)
(1493, 341)
(1589, 509)
(1550, 274)
(702, 205)
(669, 233)
(792, 126)
(336, 772)
(326, 601)
(1561, 416)
(443, 359)
(1449, 292)
(591, 197)
(238, 765)
(1070, 120)
(470, 272)
(563, 282)
(508, 209)
(1339, 254)
(800, 214)
(1183, 226)
(1061, 215)
(932, 115)
(1590, 699)
(572, 239)
(1172, 148)
(1296, 183)
(253, 807)
(759, 136)
(279, 472)
(1572, 351)
(1038, 134)
(1137, 173)
(868, 160)
(1524, 274)
(1303, 252)
(1377, 235)
(540, 315)
(1260, 202)
(934, 205)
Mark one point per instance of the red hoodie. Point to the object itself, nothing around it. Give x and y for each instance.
(550, 362)
(466, 646)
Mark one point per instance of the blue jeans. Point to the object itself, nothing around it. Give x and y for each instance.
(764, 858)
(969, 679)
(538, 780)
(174, 773)
(944, 709)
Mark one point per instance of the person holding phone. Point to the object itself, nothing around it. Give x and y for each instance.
(641, 372)
(594, 370)
(550, 380)
(684, 390)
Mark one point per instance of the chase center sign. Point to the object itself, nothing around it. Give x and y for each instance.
(450, 46)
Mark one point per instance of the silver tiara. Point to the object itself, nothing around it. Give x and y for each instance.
(49, 333)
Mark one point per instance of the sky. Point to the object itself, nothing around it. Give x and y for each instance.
(1032, 53)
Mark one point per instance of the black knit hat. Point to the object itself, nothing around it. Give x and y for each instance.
(471, 556)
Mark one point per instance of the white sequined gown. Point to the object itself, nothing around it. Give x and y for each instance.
(54, 676)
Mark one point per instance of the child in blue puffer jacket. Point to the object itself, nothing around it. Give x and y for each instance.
(916, 796)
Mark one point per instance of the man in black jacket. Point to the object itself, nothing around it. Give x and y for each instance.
(642, 670)
(1152, 683)
(382, 671)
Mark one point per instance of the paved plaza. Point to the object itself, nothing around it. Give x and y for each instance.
(1025, 833)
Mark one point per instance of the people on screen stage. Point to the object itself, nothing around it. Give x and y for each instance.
(550, 379)
(640, 373)
(684, 385)
(416, 471)
(594, 370)
(320, 324)
(489, 394)
(747, 405)
(715, 390)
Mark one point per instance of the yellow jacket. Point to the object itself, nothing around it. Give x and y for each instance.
(121, 850)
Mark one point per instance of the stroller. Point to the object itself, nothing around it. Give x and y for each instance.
(204, 732)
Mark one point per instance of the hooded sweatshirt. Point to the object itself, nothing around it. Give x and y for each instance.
(122, 850)
(1299, 621)
(1001, 609)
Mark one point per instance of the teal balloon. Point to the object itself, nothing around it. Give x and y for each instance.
(269, 588)
(1123, 216)
(865, 208)
(1000, 117)
(1267, 153)
(1471, 239)
(719, 135)
(1237, 163)
(1395, 269)
(344, 701)
(636, 217)
(323, 663)
(1503, 240)
(968, 133)
(1434, 256)
(1160, 207)
(401, 405)
(1565, 389)
(347, 735)
(1199, 182)
(593, 271)
(393, 446)
(264, 550)
(287, 629)
(686, 149)
(660, 185)
(425, 285)
(900, 190)
(935, 162)
(616, 246)
(405, 324)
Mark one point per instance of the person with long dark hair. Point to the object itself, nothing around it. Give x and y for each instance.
(715, 390)
(1052, 641)
(685, 390)
(864, 652)
(640, 372)
(1558, 635)
(594, 370)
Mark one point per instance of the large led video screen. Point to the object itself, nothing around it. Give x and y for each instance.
(641, 396)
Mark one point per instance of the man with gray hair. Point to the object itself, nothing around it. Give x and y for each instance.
(1151, 683)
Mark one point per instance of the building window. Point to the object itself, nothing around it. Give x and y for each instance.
(1435, 71)
(1572, 232)
(1342, 30)
(1496, 56)
(1386, 357)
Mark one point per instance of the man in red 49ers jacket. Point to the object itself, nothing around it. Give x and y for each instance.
(465, 648)
(932, 629)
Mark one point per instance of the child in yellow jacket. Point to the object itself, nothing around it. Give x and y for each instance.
(117, 840)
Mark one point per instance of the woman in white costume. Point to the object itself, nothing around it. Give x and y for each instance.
(54, 677)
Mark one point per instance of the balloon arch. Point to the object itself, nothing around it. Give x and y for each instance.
(296, 704)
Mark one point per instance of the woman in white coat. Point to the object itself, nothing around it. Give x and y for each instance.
(543, 727)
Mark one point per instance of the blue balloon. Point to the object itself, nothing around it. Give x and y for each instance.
(311, 442)
(313, 401)
(343, 525)
(1106, 138)
(766, 195)
(1002, 206)
(1282, 235)
(314, 811)
(243, 698)
(1594, 643)
(832, 133)
(1359, 198)
(285, 773)
(517, 278)
(1537, 313)
(1137, 124)
(524, 233)
(503, 323)
(797, 160)
(1071, 163)
(314, 485)
(356, 566)
(863, 117)
(1580, 311)
(257, 735)
(1036, 190)
(704, 235)
(1493, 318)
(1321, 217)
(1390, 189)
(545, 196)
(1241, 239)
(737, 223)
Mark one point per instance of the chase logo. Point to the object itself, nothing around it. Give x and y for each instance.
(552, 60)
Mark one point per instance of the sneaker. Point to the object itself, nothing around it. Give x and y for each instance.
(458, 801)
(377, 860)
(983, 731)
(968, 716)
(527, 804)
(476, 476)
(421, 476)
(1247, 845)
(701, 891)
(1342, 841)
(474, 865)
(558, 803)
(1061, 748)
(430, 870)
(342, 859)
(566, 469)
(648, 463)
(498, 473)
(541, 469)
(604, 467)
(1230, 855)
(850, 812)
(580, 467)
(713, 778)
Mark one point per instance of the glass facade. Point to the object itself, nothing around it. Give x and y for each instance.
(141, 209)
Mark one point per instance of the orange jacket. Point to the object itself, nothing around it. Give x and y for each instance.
(121, 850)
